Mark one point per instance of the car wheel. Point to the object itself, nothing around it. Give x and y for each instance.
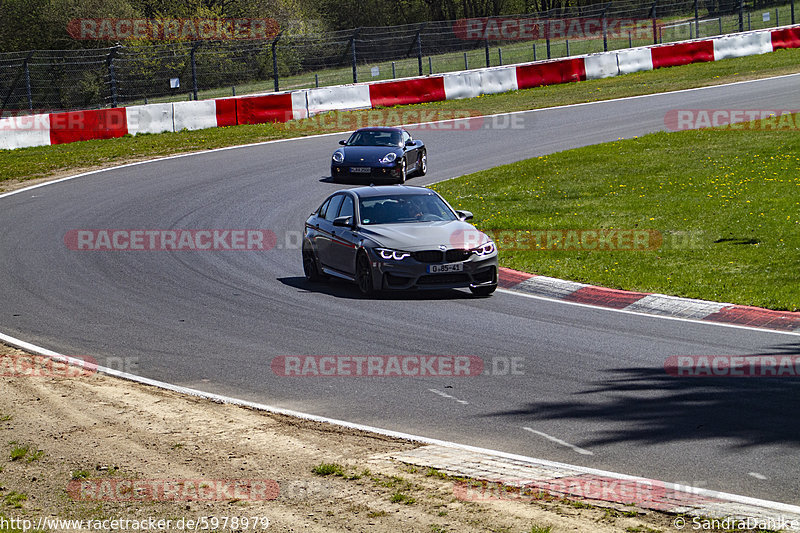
(483, 291)
(364, 275)
(422, 167)
(311, 267)
(403, 170)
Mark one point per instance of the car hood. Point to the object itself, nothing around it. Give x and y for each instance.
(416, 236)
(369, 154)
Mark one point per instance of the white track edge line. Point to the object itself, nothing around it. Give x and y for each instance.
(651, 315)
(735, 498)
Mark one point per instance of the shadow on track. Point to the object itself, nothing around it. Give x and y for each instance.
(647, 405)
(343, 289)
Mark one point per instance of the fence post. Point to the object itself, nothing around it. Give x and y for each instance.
(741, 16)
(394, 70)
(466, 62)
(696, 21)
(534, 51)
(28, 83)
(792, 9)
(275, 61)
(777, 18)
(194, 70)
(605, 30)
(567, 41)
(110, 64)
(419, 51)
(430, 65)
(316, 80)
(500, 56)
(486, 49)
(353, 47)
(630, 40)
(655, 24)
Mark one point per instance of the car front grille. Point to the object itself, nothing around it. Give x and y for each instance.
(457, 255)
(437, 256)
(428, 256)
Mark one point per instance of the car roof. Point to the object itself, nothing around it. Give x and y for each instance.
(383, 190)
(381, 128)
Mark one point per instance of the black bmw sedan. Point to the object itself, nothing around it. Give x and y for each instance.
(397, 237)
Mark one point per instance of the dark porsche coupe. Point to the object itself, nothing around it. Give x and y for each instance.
(379, 154)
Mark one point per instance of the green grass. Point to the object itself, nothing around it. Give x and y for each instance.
(725, 203)
(328, 469)
(19, 452)
(42, 161)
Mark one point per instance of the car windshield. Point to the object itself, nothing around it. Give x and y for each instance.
(375, 138)
(404, 208)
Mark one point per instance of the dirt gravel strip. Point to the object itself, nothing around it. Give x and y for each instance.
(87, 446)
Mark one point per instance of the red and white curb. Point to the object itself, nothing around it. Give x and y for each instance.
(648, 303)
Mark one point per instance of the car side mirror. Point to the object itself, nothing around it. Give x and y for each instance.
(464, 215)
(343, 143)
(410, 143)
(344, 222)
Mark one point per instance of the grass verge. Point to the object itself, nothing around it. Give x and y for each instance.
(716, 210)
(49, 161)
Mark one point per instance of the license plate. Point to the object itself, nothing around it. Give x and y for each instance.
(361, 170)
(450, 267)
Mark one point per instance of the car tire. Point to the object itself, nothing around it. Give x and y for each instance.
(403, 172)
(311, 267)
(423, 164)
(483, 291)
(364, 275)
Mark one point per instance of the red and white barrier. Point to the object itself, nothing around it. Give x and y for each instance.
(151, 118)
(472, 83)
(74, 126)
(195, 115)
(338, 98)
(404, 92)
(24, 131)
(550, 72)
(602, 65)
(57, 128)
(745, 44)
(634, 60)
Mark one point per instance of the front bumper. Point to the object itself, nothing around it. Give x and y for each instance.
(380, 172)
(410, 274)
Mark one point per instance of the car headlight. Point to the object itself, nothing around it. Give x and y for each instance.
(386, 253)
(487, 248)
(389, 158)
(338, 157)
